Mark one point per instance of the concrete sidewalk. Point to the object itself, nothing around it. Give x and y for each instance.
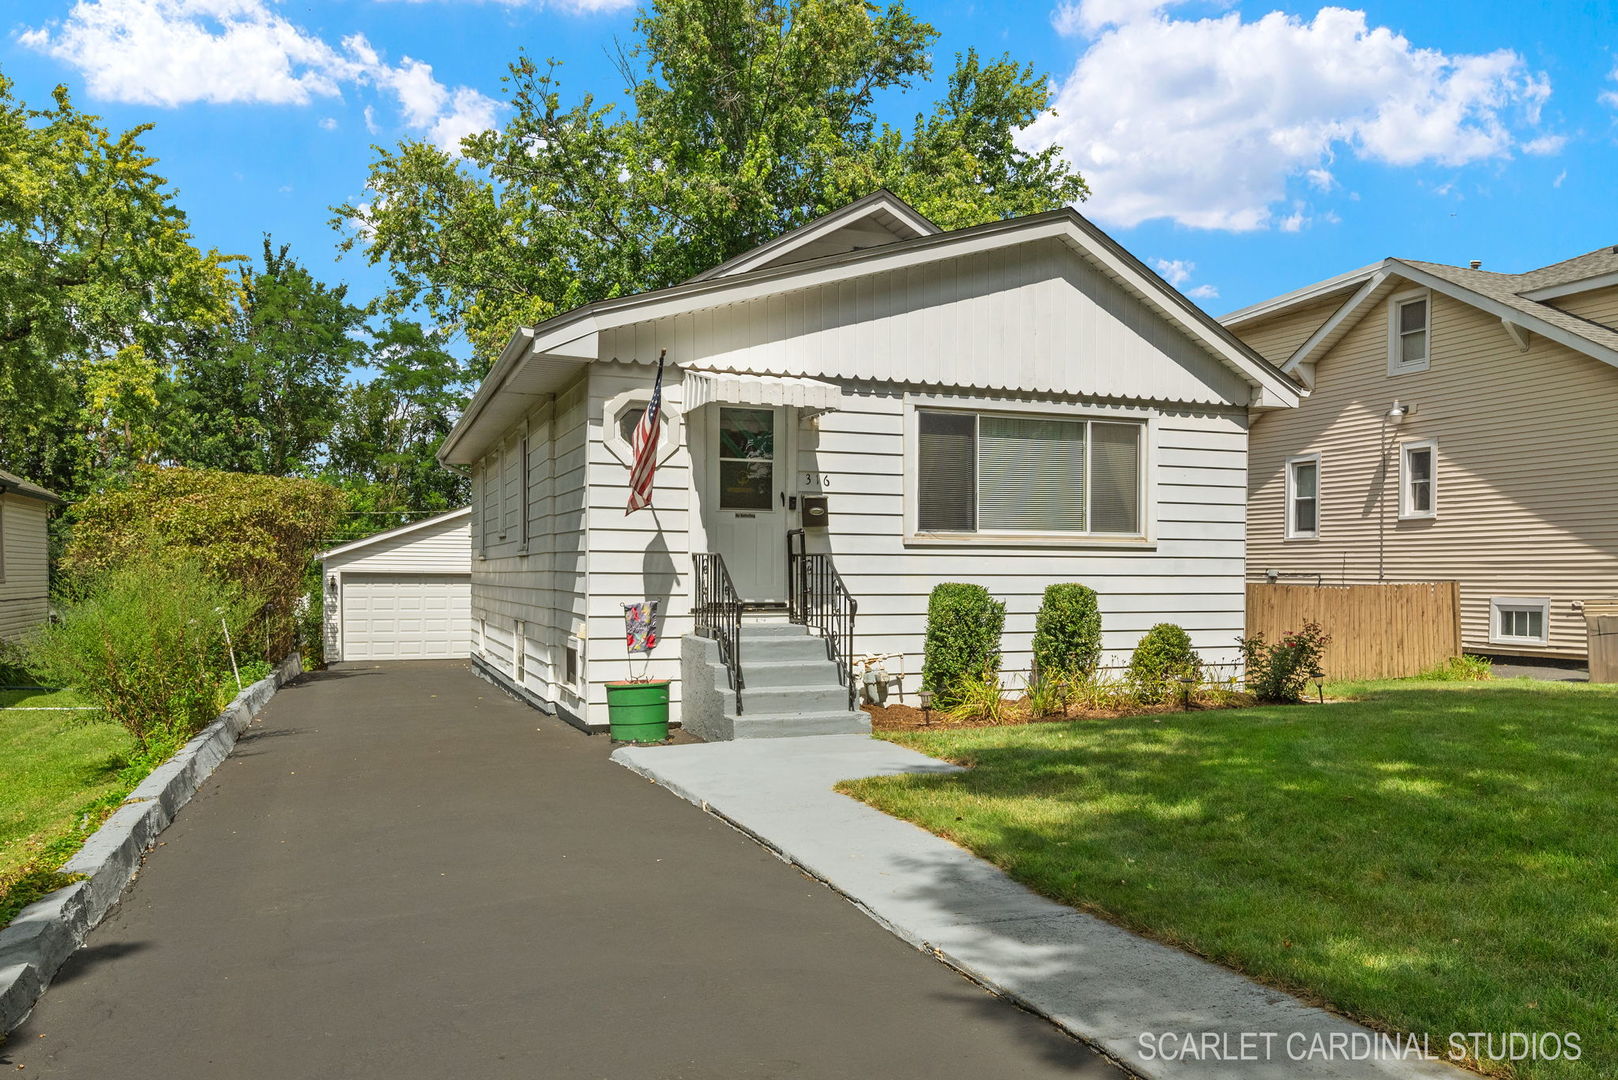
(402, 874)
(1104, 984)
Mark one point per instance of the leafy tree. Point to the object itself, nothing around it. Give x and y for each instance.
(383, 446)
(99, 280)
(263, 397)
(746, 118)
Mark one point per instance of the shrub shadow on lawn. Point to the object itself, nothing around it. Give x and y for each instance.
(1425, 859)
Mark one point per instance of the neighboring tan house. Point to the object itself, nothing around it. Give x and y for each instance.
(25, 576)
(1460, 425)
(403, 594)
(1014, 404)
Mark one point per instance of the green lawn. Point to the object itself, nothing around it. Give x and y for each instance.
(55, 764)
(1434, 857)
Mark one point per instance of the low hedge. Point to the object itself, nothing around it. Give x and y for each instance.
(1067, 632)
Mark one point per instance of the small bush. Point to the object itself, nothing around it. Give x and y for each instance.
(1162, 660)
(311, 616)
(1067, 632)
(146, 642)
(1460, 669)
(964, 624)
(978, 697)
(1280, 672)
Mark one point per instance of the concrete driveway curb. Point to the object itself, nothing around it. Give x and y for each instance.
(45, 933)
(1094, 980)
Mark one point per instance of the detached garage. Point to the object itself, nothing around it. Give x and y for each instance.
(405, 594)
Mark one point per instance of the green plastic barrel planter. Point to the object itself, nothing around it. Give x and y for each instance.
(638, 711)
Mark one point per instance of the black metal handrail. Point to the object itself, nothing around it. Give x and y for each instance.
(717, 609)
(818, 598)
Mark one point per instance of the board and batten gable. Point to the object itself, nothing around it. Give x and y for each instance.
(1038, 317)
(1525, 467)
(24, 564)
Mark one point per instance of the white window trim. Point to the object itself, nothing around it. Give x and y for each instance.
(1405, 512)
(1053, 410)
(1395, 303)
(576, 686)
(1288, 531)
(1497, 604)
(668, 439)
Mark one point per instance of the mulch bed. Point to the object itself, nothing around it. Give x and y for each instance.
(897, 717)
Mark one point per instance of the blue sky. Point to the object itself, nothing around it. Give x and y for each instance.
(1245, 149)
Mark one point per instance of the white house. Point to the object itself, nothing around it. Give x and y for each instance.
(25, 581)
(403, 594)
(1014, 404)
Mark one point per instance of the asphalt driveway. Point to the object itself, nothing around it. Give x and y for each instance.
(401, 873)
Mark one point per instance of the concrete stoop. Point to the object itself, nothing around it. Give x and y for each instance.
(792, 687)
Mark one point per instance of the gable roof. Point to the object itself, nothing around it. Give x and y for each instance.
(878, 219)
(560, 347)
(18, 486)
(395, 533)
(1516, 299)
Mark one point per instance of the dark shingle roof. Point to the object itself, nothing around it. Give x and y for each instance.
(12, 482)
(1507, 289)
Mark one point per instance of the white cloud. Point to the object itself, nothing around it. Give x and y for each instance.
(1561, 176)
(1175, 271)
(1207, 121)
(328, 123)
(1609, 98)
(1545, 144)
(1204, 292)
(176, 52)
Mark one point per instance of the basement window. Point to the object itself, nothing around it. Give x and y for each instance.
(1518, 621)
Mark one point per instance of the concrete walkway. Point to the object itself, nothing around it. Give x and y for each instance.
(1104, 984)
(402, 874)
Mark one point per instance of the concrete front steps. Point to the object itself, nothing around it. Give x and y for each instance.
(791, 688)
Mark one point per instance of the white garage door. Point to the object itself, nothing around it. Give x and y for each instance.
(406, 616)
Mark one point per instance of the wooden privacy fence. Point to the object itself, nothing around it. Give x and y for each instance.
(1377, 631)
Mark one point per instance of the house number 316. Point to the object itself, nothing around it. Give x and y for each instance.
(815, 480)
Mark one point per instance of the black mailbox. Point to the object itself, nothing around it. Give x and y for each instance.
(815, 514)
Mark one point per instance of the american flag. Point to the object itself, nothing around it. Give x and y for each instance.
(646, 432)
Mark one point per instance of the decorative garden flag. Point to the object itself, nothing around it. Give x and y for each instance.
(640, 626)
(646, 432)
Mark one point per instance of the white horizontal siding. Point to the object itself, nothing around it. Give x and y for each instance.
(444, 548)
(24, 565)
(528, 600)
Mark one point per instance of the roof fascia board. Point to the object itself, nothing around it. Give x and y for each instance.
(1571, 288)
(1344, 318)
(1507, 313)
(1298, 296)
(394, 533)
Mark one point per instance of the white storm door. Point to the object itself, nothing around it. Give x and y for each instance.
(748, 460)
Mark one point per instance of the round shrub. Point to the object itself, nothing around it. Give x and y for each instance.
(1163, 657)
(1067, 632)
(964, 624)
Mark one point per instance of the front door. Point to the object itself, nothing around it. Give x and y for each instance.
(749, 464)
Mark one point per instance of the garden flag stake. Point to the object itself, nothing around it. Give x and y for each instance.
(645, 466)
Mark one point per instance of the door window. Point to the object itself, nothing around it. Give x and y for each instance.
(746, 459)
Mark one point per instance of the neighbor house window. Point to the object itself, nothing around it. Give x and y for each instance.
(995, 473)
(519, 652)
(570, 664)
(1418, 481)
(526, 481)
(1408, 333)
(1514, 621)
(1303, 497)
